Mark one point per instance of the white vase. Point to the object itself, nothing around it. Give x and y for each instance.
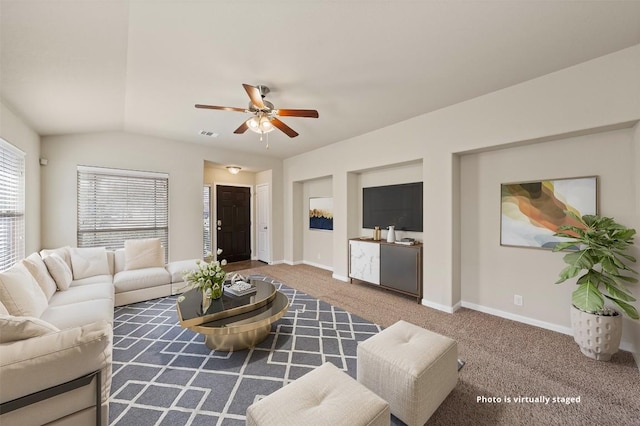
(391, 235)
(597, 335)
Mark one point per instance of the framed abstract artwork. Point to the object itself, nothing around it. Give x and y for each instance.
(321, 213)
(531, 212)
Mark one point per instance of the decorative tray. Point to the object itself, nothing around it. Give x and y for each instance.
(240, 288)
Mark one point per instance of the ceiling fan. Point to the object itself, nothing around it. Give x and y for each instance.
(264, 115)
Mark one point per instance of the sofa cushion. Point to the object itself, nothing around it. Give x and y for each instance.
(3, 309)
(143, 253)
(79, 313)
(31, 365)
(88, 262)
(38, 269)
(19, 328)
(59, 270)
(20, 293)
(140, 278)
(82, 293)
(63, 252)
(96, 279)
(178, 268)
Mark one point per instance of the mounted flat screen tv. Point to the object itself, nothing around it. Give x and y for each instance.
(399, 205)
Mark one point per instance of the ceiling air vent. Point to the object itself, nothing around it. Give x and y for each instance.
(209, 134)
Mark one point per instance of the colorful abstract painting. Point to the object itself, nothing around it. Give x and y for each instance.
(533, 211)
(321, 213)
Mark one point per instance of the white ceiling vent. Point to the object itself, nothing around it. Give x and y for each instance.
(209, 134)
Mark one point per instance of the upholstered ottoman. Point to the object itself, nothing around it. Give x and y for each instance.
(411, 368)
(324, 396)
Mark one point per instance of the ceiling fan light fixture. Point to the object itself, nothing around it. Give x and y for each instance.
(234, 170)
(253, 123)
(264, 116)
(265, 124)
(260, 124)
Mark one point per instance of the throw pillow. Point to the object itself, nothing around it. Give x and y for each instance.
(145, 253)
(20, 293)
(38, 269)
(63, 252)
(20, 328)
(59, 271)
(89, 262)
(3, 309)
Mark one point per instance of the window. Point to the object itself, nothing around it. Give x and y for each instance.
(206, 216)
(11, 205)
(117, 205)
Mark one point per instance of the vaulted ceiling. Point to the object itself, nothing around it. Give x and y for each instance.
(140, 66)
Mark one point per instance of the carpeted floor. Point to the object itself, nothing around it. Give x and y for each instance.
(504, 360)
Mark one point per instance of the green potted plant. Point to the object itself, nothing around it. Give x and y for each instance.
(601, 252)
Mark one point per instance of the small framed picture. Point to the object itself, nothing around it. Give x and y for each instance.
(321, 213)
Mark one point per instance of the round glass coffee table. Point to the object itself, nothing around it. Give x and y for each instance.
(233, 322)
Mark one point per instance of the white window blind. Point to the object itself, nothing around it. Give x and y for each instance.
(12, 230)
(117, 205)
(206, 215)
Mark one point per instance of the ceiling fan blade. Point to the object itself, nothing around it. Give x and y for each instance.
(310, 113)
(243, 128)
(254, 95)
(286, 129)
(221, 107)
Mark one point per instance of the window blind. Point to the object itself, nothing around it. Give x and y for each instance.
(206, 200)
(117, 205)
(12, 229)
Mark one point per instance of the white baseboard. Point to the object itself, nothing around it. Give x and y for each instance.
(625, 346)
(518, 318)
(340, 277)
(317, 265)
(443, 308)
(326, 268)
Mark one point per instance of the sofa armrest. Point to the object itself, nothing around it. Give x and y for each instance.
(178, 268)
(34, 364)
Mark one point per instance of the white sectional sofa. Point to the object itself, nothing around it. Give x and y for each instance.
(56, 319)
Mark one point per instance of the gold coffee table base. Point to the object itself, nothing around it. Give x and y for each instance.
(240, 327)
(237, 341)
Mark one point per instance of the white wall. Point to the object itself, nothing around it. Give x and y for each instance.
(18, 133)
(317, 246)
(492, 274)
(183, 162)
(599, 93)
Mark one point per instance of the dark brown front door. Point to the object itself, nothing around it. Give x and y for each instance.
(233, 220)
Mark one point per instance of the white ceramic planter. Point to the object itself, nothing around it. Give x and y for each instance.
(598, 336)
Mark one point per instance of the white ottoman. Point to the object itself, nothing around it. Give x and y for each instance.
(324, 396)
(411, 368)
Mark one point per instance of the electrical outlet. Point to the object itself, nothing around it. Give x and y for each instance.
(517, 300)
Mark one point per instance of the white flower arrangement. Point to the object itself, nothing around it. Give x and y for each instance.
(209, 277)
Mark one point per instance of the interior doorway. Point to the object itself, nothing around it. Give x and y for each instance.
(233, 222)
(263, 233)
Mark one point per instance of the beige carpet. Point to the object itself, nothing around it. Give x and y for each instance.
(504, 359)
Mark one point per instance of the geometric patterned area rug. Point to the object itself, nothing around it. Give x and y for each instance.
(165, 375)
